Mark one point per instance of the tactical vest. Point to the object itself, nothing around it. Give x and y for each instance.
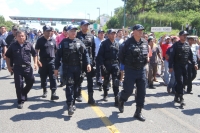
(87, 41)
(111, 52)
(72, 53)
(136, 56)
(182, 52)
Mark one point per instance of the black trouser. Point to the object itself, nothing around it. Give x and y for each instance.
(72, 78)
(47, 70)
(98, 74)
(20, 73)
(192, 73)
(180, 72)
(114, 71)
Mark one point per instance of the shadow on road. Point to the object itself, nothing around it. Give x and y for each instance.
(191, 111)
(7, 107)
(92, 123)
(6, 77)
(150, 106)
(159, 94)
(40, 115)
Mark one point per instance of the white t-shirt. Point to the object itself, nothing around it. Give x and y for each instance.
(97, 42)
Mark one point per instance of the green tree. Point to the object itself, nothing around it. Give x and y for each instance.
(7, 24)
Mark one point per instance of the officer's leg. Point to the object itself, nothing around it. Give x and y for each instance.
(98, 76)
(129, 81)
(189, 81)
(106, 83)
(115, 78)
(61, 75)
(43, 76)
(77, 73)
(29, 80)
(141, 92)
(52, 78)
(19, 86)
(69, 91)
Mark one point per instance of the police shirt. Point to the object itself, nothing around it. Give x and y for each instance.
(88, 40)
(59, 54)
(47, 47)
(21, 55)
(10, 39)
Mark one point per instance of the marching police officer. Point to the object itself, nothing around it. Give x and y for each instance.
(108, 60)
(180, 54)
(73, 54)
(134, 55)
(88, 40)
(191, 70)
(47, 49)
(20, 52)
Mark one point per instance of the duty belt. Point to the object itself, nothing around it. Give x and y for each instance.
(47, 59)
(73, 63)
(23, 65)
(111, 62)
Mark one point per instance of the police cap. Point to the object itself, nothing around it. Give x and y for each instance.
(84, 22)
(71, 27)
(111, 31)
(47, 28)
(183, 33)
(101, 31)
(138, 27)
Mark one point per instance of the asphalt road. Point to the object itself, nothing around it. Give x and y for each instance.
(40, 115)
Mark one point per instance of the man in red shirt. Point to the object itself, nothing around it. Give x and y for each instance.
(164, 46)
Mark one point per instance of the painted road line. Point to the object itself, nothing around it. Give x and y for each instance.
(190, 127)
(102, 116)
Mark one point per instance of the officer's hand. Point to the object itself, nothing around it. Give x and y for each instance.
(39, 64)
(35, 67)
(10, 69)
(170, 70)
(56, 73)
(88, 68)
(196, 67)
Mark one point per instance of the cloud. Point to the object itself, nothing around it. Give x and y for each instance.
(54, 4)
(29, 2)
(6, 11)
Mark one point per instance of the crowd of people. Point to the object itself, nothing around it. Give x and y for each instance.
(130, 60)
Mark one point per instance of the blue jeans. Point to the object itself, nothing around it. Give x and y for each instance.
(172, 81)
(166, 72)
(3, 63)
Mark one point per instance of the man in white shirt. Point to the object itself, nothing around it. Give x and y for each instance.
(3, 35)
(97, 42)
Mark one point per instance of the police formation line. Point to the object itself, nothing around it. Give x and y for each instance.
(76, 57)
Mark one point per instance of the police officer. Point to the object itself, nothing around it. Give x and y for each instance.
(180, 54)
(134, 55)
(47, 49)
(73, 53)
(20, 52)
(192, 73)
(88, 40)
(108, 60)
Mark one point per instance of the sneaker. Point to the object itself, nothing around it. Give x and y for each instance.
(44, 94)
(20, 105)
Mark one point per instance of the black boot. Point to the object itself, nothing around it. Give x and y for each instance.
(20, 105)
(151, 86)
(53, 95)
(138, 114)
(176, 98)
(74, 106)
(44, 93)
(120, 104)
(61, 84)
(70, 108)
(100, 88)
(116, 101)
(181, 100)
(105, 96)
(79, 96)
(90, 98)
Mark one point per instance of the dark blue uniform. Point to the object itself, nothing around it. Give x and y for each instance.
(47, 49)
(108, 60)
(180, 54)
(88, 40)
(73, 54)
(21, 57)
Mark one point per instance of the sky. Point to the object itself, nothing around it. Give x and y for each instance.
(58, 8)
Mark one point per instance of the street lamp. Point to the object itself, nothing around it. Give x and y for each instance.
(88, 15)
(124, 12)
(99, 15)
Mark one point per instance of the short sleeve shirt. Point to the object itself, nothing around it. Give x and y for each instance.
(154, 57)
(46, 47)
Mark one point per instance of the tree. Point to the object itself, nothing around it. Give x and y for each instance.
(7, 24)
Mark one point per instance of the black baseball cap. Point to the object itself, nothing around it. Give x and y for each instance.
(101, 31)
(14, 27)
(47, 28)
(83, 22)
(111, 31)
(183, 33)
(71, 27)
(138, 27)
(65, 28)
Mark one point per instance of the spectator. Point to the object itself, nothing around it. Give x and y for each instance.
(61, 36)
